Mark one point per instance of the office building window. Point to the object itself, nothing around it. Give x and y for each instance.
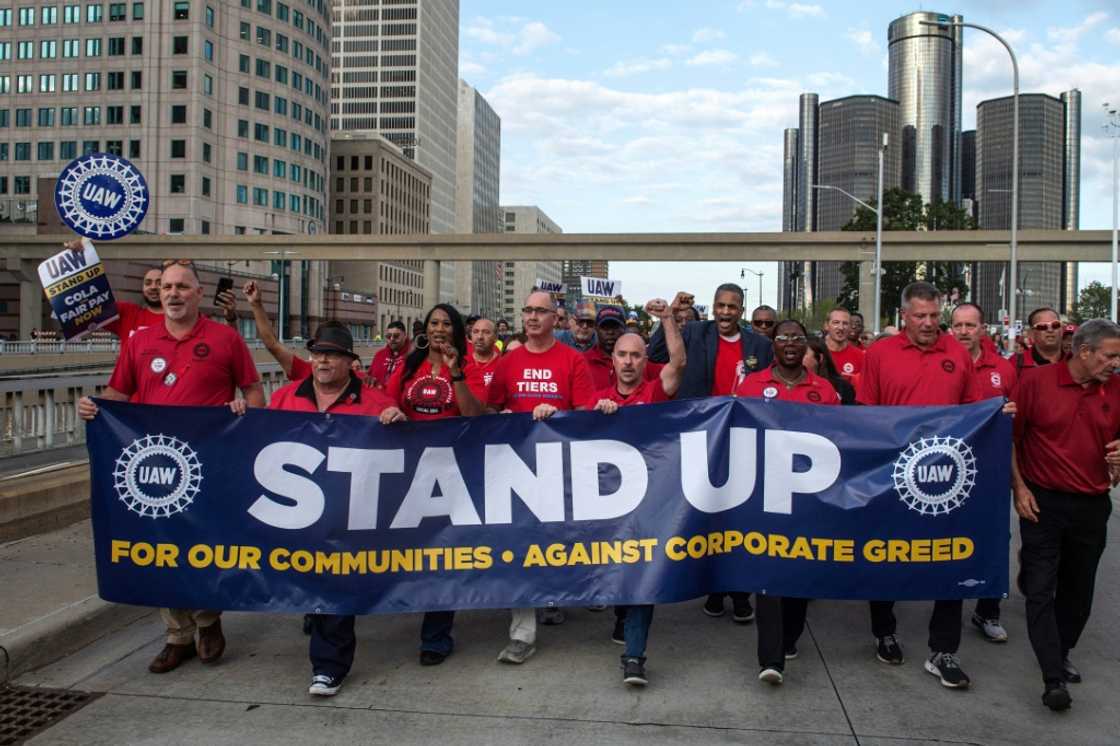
(264, 36)
(207, 152)
(93, 47)
(23, 151)
(5, 118)
(179, 80)
(47, 83)
(209, 17)
(93, 13)
(278, 200)
(114, 81)
(260, 132)
(114, 115)
(242, 196)
(116, 46)
(25, 50)
(242, 161)
(72, 14)
(205, 186)
(46, 117)
(21, 185)
(178, 183)
(243, 95)
(178, 148)
(118, 12)
(93, 81)
(71, 47)
(68, 115)
(48, 49)
(205, 229)
(114, 147)
(179, 114)
(264, 6)
(23, 117)
(208, 50)
(49, 16)
(135, 114)
(138, 11)
(5, 51)
(246, 31)
(260, 197)
(5, 17)
(133, 148)
(181, 10)
(260, 165)
(179, 44)
(136, 79)
(68, 150)
(90, 146)
(264, 69)
(176, 225)
(27, 16)
(262, 101)
(91, 115)
(137, 45)
(243, 128)
(207, 85)
(208, 119)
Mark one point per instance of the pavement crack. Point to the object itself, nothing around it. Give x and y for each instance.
(832, 683)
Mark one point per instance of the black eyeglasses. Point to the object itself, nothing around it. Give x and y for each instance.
(762, 322)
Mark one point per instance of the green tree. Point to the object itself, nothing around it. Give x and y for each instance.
(814, 316)
(904, 211)
(1092, 303)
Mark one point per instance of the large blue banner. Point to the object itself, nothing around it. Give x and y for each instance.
(279, 511)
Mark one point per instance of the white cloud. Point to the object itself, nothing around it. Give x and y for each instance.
(864, 41)
(1113, 35)
(627, 68)
(713, 57)
(468, 67)
(518, 35)
(639, 199)
(675, 50)
(705, 35)
(533, 36)
(794, 10)
(1071, 34)
(762, 59)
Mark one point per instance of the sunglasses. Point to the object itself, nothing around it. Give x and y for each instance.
(795, 338)
(1052, 326)
(762, 322)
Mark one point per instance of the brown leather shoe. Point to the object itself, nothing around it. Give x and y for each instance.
(211, 642)
(171, 657)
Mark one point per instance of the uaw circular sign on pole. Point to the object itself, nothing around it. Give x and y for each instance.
(101, 196)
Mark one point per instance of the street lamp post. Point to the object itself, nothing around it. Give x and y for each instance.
(1113, 126)
(878, 230)
(759, 275)
(944, 22)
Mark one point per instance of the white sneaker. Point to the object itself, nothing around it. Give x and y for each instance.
(516, 652)
(992, 630)
(324, 686)
(771, 676)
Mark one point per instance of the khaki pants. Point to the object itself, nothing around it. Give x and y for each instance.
(182, 623)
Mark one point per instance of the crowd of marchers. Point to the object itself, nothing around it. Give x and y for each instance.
(1059, 386)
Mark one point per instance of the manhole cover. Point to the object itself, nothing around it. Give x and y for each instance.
(27, 710)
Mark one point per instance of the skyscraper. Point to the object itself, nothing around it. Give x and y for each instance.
(925, 77)
(395, 71)
(1049, 191)
(842, 138)
(477, 172)
(519, 278)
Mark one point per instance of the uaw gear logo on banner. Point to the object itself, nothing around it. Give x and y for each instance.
(291, 511)
(157, 476)
(101, 196)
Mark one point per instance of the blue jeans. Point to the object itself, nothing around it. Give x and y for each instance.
(435, 632)
(636, 629)
(332, 644)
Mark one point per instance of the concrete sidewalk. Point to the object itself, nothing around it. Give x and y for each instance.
(702, 678)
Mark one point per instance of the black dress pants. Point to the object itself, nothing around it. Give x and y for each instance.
(1058, 569)
(944, 623)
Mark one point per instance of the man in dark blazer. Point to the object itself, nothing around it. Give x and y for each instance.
(702, 344)
(720, 353)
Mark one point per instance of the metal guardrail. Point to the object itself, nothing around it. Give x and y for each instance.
(42, 413)
(44, 347)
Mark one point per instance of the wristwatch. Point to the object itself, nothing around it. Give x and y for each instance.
(456, 377)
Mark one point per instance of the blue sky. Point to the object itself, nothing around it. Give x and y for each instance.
(628, 116)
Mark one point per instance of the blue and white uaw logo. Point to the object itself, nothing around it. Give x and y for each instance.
(157, 476)
(101, 196)
(934, 476)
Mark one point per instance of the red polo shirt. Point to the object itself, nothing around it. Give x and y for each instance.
(384, 362)
(300, 369)
(204, 368)
(355, 400)
(848, 361)
(479, 374)
(993, 376)
(132, 319)
(557, 376)
(765, 385)
(648, 392)
(1061, 429)
(602, 368)
(896, 372)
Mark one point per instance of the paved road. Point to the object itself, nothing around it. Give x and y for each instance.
(703, 686)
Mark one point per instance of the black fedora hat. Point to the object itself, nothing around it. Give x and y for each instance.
(333, 339)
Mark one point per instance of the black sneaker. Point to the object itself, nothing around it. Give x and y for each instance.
(1056, 696)
(431, 658)
(634, 671)
(714, 605)
(1070, 672)
(791, 652)
(742, 611)
(947, 667)
(888, 650)
(618, 636)
(323, 685)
